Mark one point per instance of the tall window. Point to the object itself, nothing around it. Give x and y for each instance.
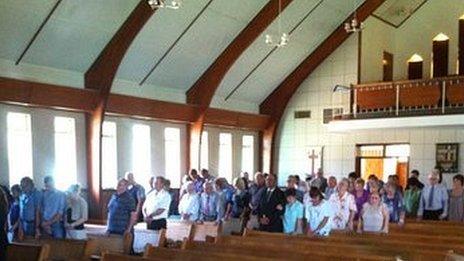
(109, 155)
(440, 55)
(204, 161)
(461, 46)
(248, 155)
(65, 152)
(19, 137)
(415, 67)
(172, 155)
(225, 156)
(141, 152)
(387, 66)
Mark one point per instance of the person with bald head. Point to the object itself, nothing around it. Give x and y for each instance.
(433, 203)
(137, 192)
(122, 213)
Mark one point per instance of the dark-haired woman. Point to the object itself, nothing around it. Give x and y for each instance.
(318, 213)
(456, 204)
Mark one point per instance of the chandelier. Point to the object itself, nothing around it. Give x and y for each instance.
(354, 26)
(155, 4)
(284, 37)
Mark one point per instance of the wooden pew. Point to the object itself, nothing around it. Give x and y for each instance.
(413, 249)
(22, 252)
(283, 251)
(99, 244)
(121, 257)
(63, 249)
(206, 230)
(177, 231)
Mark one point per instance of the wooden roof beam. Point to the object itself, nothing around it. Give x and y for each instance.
(275, 104)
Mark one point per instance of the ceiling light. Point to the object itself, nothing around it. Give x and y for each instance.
(415, 58)
(155, 4)
(354, 26)
(284, 37)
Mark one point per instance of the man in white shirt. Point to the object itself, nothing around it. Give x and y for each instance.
(189, 205)
(156, 206)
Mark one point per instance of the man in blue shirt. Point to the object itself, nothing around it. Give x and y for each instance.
(122, 213)
(211, 205)
(434, 200)
(52, 209)
(29, 205)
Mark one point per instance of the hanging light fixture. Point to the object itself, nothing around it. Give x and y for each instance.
(284, 37)
(155, 4)
(354, 26)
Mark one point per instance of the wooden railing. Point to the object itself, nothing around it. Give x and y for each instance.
(407, 98)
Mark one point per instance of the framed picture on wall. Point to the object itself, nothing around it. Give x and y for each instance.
(447, 157)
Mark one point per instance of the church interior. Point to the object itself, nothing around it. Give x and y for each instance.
(231, 129)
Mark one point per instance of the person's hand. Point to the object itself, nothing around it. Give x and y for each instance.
(127, 233)
(264, 221)
(37, 233)
(359, 231)
(350, 226)
(419, 218)
(279, 207)
(199, 222)
(384, 232)
(442, 216)
(310, 233)
(401, 223)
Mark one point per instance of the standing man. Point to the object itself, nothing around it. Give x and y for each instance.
(197, 180)
(206, 176)
(122, 213)
(415, 174)
(319, 181)
(271, 207)
(434, 200)
(52, 209)
(156, 207)
(29, 206)
(137, 192)
(211, 207)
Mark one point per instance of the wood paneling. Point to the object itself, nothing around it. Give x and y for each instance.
(415, 70)
(46, 95)
(275, 104)
(440, 58)
(412, 95)
(376, 97)
(82, 100)
(455, 93)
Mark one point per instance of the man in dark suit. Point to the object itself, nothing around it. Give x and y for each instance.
(271, 207)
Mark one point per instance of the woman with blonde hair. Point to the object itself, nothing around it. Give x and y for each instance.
(77, 213)
(374, 216)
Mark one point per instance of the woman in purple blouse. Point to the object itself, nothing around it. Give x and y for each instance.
(361, 196)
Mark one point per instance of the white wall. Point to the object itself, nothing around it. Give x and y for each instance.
(295, 136)
(414, 36)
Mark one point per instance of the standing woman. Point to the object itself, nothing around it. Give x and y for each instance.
(394, 202)
(77, 214)
(344, 207)
(361, 196)
(374, 216)
(456, 200)
(318, 214)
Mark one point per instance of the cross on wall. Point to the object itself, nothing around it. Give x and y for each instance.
(313, 156)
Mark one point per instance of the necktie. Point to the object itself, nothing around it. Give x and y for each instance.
(432, 191)
(268, 196)
(207, 206)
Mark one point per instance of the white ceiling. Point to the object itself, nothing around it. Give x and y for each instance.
(80, 29)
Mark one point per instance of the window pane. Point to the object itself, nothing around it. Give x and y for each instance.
(397, 150)
(172, 155)
(109, 155)
(248, 157)
(204, 161)
(19, 146)
(141, 152)
(225, 156)
(65, 152)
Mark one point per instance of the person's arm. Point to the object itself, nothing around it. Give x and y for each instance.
(420, 211)
(84, 214)
(445, 203)
(402, 210)
(220, 204)
(322, 224)
(386, 220)
(360, 222)
(133, 216)
(38, 209)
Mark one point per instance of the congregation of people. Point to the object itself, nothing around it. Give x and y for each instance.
(314, 206)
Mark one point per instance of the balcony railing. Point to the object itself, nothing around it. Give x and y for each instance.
(405, 98)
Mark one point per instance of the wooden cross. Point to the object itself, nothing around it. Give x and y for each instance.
(313, 156)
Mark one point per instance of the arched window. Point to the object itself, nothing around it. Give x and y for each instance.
(415, 65)
(440, 51)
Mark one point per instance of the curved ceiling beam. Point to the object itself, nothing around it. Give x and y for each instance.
(100, 77)
(203, 90)
(275, 104)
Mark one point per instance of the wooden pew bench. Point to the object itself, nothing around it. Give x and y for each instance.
(22, 252)
(64, 249)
